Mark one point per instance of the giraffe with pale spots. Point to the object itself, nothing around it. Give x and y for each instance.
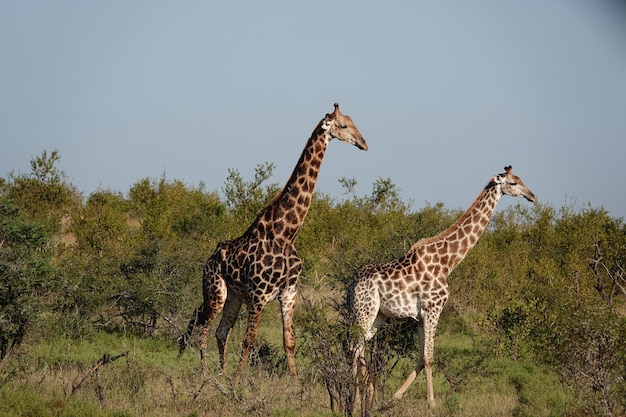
(262, 265)
(415, 285)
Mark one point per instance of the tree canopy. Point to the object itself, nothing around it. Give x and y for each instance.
(543, 283)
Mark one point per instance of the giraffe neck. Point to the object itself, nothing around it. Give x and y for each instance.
(285, 214)
(463, 235)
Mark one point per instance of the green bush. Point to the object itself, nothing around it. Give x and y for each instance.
(543, 286)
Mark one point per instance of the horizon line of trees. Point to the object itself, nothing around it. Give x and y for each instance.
(543, 283)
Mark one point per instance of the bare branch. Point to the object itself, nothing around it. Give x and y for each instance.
(106, 358)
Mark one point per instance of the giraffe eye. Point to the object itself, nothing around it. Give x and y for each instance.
(343, 126)
(513, 183)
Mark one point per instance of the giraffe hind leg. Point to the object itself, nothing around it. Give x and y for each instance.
(254, 319)
(359, 375)
(214, 299)
(205, 321)
(365, 312)
(202, 316)
(229, 317)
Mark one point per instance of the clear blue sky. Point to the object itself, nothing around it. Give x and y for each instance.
(446, 93)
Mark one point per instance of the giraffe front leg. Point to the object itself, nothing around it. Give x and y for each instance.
(287, 302)
(427, 347)
(430, 328)
(420, 365)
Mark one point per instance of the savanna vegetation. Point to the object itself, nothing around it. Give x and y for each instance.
(95, 290)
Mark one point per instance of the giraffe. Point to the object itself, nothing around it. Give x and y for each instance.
(415, 285)
(262, 264)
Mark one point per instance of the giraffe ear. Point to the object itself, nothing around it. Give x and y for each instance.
(327, 122)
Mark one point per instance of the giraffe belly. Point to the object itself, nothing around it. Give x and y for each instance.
(399, 307)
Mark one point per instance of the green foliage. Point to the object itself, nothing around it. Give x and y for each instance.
(541, 295)
(327, 345)
(43, 196)
(146, 251)
(564, 305)
(26, 269)
(348, 234)
(246, 198)
(585, 344)
(169, 209)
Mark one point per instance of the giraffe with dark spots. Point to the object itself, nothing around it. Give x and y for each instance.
(262, 265)
(376, 294)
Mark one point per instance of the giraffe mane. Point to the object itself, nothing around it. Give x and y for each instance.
(464, 216)
(284, 189)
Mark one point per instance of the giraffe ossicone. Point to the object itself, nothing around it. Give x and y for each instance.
(415, 285)
(262, 265)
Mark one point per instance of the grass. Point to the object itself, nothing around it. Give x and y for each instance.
(153, 380)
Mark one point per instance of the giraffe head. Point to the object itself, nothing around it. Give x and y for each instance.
(513, 185)
(342, 127)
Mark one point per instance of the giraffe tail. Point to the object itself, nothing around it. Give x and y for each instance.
(197, 317)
